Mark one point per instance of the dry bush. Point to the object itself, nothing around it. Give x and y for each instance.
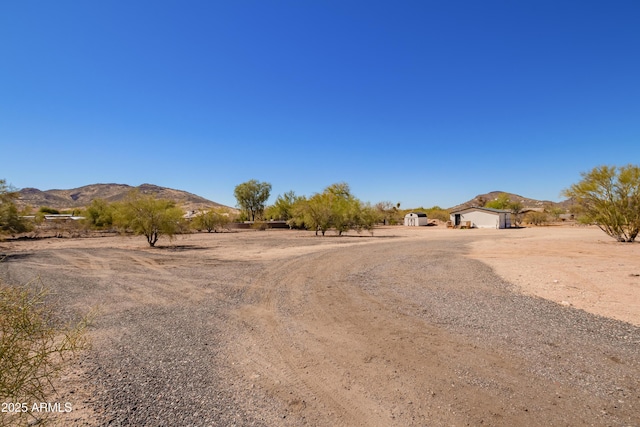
(35, 346)
(260, 225)
(537, 218)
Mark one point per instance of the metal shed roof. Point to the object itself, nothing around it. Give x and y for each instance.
(476, 208)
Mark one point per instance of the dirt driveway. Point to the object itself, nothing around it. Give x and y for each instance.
(408, 327)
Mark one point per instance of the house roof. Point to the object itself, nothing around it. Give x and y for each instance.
(477, 208)
(418, 214)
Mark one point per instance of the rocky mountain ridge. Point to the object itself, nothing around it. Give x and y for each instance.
(526, 202)
(82, 196)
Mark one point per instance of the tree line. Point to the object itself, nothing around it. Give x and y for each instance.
(334, 208)
(607, 196)
(138, 213)
(146, 215)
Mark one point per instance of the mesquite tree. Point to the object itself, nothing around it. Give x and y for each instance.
(151, 217)
(609, 197)
(252, 196)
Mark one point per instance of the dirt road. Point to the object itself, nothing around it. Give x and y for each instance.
(282, 328)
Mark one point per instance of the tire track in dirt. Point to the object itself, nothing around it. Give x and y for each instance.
(337, 354)
(394, 332)
(336, 348)
(133, 277)
(85, 261)
(290, 375)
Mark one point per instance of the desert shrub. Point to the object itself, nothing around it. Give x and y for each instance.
(537, 218)
(150, 217)
(554, 211)
(260, 225)
(436, 212)
(215, 219)
(501, 202)
(48, 210)
(282, 209)
(366, 217)
(10, 221)
(35, 345)
(609, 197)
(99, 214)
(334, 208)
(386, 211)
(242, 217)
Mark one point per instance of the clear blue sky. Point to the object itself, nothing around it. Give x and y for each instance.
(421, 102)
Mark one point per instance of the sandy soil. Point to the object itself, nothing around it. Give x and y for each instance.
(578, 266)
(575, 265)
(406, 327)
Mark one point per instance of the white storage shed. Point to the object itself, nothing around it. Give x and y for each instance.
(415, 219)
(476, 217)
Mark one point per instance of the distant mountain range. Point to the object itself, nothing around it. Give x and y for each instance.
(527, 203)
(82, 196)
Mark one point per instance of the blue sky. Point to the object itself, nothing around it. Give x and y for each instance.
(419, 102)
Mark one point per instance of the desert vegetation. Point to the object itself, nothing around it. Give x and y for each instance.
(215, 219)
(10, 221)
(609, 197)
(99, 214)
(282, 208)
(252, 196)
(145, 215)
(381, 281)
(536, 218)
(335, 208)
(35, 346)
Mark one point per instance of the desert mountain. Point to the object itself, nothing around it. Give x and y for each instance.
(82, 196)
(527, 203)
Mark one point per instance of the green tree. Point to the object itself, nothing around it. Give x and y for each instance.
(334, 208)
(609, 196)
(313, 213)
(501, 202)
(212, 220)
(10, 221)
(367, 217)
(282, 209)
(151, 217)
(252, 196)
(343, 205)
(99, 214)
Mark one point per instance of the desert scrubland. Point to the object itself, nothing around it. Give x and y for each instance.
(408, 327)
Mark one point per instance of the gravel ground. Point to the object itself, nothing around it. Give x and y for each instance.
(361, 331)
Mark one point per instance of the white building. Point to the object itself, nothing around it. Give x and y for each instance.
(415, 219)
(475, 217)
